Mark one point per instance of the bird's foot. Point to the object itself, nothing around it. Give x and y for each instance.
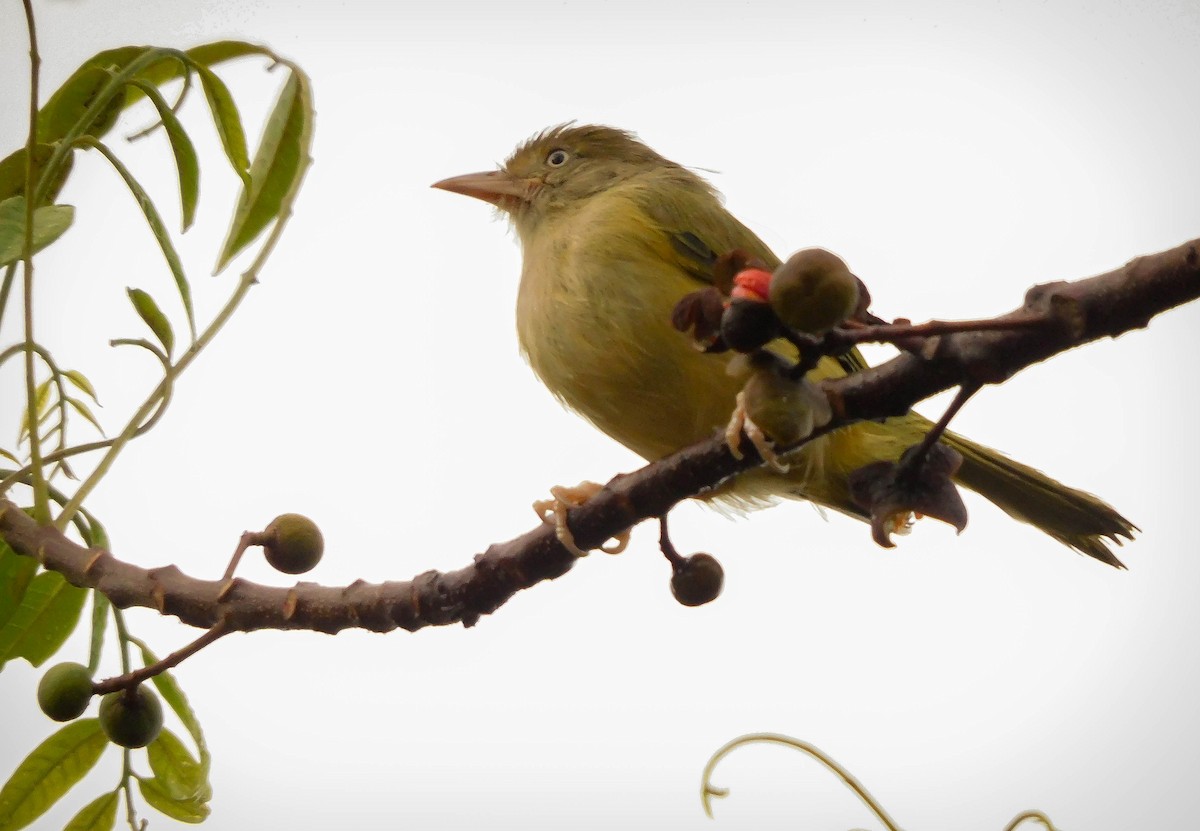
(741, 421)
(555, 510)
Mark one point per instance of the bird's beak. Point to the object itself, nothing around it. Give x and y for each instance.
(499, 187)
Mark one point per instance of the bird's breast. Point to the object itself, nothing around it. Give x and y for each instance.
(593, 317)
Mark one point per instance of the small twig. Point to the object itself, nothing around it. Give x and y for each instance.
(137, 676)
(1037, 816)
(666, 546)
(41, 499)
(900, 333)
(938, 430)
(248, 539)
(708, 790)
(130, 812)
(855, 333)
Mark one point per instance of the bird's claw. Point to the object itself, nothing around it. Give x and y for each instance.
(555, 510)
(740, 421)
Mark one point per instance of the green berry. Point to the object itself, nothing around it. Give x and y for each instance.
(785, 409)
(294, 543)
(697, 580)
(813, 291)
(64, 691)
(131, 719)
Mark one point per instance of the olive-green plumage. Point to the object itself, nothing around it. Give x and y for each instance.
(613, 235)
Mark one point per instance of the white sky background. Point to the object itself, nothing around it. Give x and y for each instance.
(952, 155)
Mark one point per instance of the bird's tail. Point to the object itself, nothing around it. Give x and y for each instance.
(1073, 517)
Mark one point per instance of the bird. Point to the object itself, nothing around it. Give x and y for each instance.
(612, 236)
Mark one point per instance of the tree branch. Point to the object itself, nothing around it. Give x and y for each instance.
(1073, 313)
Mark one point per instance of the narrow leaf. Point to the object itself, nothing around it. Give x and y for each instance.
(227, 121)
(41, 397)
(42, 411)
(100, 609)
(169, 689)
(186, 163)
(70, 102)
(4, 454)
(50, 771)
(180, 775)
(211, 54)
(279, 163)
(98, 815)
(184, 810)
(154, 220)
(80, 407)
(49, 223)
(16, 572)
(153, 317)
(49, 611)
(207, 54)
(12, 172)
(81, 383)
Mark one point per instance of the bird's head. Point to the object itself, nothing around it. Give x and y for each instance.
(557, 168)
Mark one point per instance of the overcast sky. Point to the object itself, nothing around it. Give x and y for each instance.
(954, 154)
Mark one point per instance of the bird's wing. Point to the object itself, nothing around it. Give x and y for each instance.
(701, 230)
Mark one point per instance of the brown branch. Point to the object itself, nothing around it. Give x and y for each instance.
(1074, 314)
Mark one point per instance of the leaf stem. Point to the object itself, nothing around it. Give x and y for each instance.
(41, 498)
(123, 638)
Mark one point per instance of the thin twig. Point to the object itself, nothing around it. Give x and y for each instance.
(893, 332)
(936, 431)
(248, 539)
(41, 499)
(137, 676)
(666, 546)
(708, 790)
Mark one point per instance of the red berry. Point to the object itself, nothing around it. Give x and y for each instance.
(752, 284)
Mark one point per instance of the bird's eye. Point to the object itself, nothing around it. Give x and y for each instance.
(557, 158)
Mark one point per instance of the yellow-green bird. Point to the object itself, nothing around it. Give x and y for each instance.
(612, 236)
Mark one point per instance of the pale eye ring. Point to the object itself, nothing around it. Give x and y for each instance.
(557, 157)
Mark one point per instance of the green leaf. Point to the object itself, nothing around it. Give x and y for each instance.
(184, 810)
(81, 383)
(186, 163)
(12, 172)
(41, 400)
(49, 223)
(48, 613)
(100, 608)
(80, 407)
(6, 455)
(211, 54)
(279, 163)
(206, 54)
(154, 220)
(15, 574)
(70, 102)
(49, 772)
(177, 701)
(227, 121)
(177, 771)
(98, 815)
(153, 317)
(96, 537)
